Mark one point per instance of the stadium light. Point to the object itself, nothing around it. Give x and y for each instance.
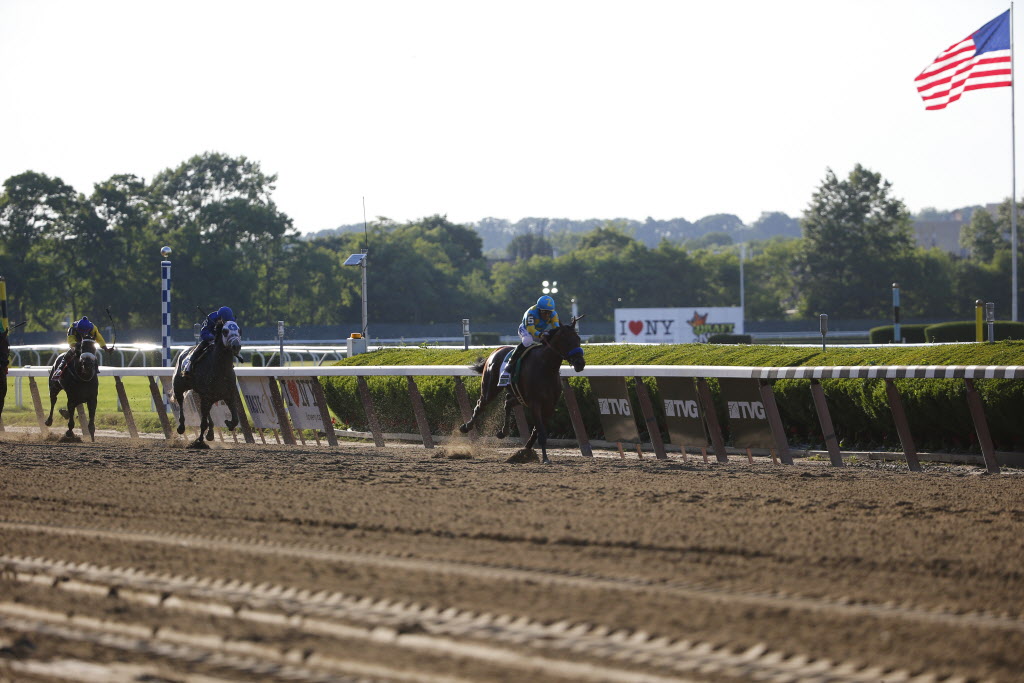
(549, 287)
(360, 260)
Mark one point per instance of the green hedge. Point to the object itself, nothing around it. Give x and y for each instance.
(912, 334)
(966, 331)
(937, 409)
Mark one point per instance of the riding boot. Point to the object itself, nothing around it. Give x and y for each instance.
(508, 365)
(197, 353)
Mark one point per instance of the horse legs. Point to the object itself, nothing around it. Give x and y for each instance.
(232, 422)
(92, 418)
(506, 422)
(179, 398)
(206, 422)
(539, 433)
(70, 434)
(54, 390)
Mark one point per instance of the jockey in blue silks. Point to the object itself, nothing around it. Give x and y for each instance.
(537, 320)
(206, 336)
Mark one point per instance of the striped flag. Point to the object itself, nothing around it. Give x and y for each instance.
(981, 60)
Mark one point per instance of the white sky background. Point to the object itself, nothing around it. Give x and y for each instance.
(558, 109)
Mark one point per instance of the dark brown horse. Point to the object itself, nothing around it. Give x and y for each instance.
(212, 378)
(538, 384)
(5, 360)
(79, 384)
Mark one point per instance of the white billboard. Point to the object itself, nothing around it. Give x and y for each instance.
(676, 325)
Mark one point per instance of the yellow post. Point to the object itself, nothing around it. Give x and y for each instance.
(979, 310)
(3, 303)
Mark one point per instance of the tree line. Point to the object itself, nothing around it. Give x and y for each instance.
(66, 254)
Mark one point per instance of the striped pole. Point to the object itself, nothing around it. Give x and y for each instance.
(165, 306)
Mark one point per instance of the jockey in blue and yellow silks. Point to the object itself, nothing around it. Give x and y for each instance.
(77, 332)
(537, 320)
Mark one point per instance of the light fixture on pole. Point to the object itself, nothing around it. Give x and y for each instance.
(549, 287)
(360, 260)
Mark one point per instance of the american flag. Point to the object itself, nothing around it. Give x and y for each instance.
(981, 60)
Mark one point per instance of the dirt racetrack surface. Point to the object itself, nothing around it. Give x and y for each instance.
(138, 560)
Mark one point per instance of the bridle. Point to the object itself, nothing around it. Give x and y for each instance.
(565, 356)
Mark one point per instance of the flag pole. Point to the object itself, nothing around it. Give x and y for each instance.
(1013, 156)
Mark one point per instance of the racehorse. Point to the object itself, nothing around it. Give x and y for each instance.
(212, 378)
(538, 385)
(80, 384)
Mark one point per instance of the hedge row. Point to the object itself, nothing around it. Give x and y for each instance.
(940, 333)
(937, 409)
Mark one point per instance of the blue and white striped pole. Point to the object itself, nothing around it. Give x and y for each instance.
(165, 306)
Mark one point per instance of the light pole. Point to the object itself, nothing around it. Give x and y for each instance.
(360, 260)
(743, 257)
(165, 305)
(549, 287)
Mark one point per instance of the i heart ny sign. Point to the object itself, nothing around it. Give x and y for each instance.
(676, 325)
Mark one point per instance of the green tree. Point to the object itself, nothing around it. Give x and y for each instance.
(855, 235)
(528, 245)
(982, 237)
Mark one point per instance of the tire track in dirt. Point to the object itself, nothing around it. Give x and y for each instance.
(495, 639)
(838, 606)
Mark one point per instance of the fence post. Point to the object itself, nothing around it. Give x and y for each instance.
(282, 413)
(981, 426)
(371, 413)
(825, 420)
(899, 416)
(38, 405)
(714, 429)
(778, 431)
(420, 412)
(125, 408)
(161, 410)
(577, 419)
(243, 419)
(325, 415)
(650, 419)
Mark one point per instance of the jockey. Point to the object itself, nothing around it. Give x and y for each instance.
(79, 331)
(206, 336)
(537, 320)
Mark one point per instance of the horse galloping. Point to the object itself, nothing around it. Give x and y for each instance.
(539, 384)
(212, 377)
(80, 384)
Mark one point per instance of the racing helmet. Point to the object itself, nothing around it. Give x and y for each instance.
(84, 325)
(225, 314)
(545, 303)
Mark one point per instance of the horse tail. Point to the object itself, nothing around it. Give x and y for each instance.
(478, 365)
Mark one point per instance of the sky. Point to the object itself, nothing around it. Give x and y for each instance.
(474, 109)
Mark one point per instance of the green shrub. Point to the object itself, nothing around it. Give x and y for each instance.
(937, 409)
(912, 334)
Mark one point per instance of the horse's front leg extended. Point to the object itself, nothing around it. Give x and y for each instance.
(206, 422)
(71, 419)
(179, 398)
(92, 419)
(232, 422)
(53, 401)
(540, 432)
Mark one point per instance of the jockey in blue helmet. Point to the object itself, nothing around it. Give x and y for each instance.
(207, 334)
(77, 332)
(537, 320)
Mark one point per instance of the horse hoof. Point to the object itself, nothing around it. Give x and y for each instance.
(501, 435)
(181, 429)
(464, 428)
(198, 444)
(49, 421)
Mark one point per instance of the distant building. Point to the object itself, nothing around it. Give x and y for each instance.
(944, 234)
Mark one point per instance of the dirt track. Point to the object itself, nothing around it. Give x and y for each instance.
(124, 559)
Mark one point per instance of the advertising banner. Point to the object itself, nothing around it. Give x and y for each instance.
(617, 419)
(302, 405)
(683, 414)
(748, 421)
(256, 394)
(676, 325)
(219, 412)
